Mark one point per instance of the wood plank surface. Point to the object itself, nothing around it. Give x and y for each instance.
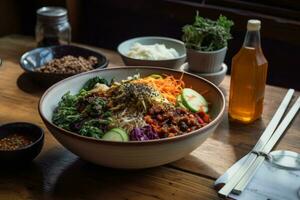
(58, 174)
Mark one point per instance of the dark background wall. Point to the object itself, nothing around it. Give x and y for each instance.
(107, 23)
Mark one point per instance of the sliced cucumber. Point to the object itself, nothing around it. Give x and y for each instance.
(112, 136)
(122, 132)
(179, 102)
(116, 134)
(193, 100)
(156, 76)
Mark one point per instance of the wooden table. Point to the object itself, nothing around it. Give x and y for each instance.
(58, 174)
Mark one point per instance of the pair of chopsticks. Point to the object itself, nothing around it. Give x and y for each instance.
(238, 182)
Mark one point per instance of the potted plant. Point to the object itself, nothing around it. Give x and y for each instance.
(206, 43)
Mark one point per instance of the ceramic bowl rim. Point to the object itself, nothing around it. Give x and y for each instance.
(39, 139)
(223, 70)
(219, 73)
(158, 141)
(153, 37)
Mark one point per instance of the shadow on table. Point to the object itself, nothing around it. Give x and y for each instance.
(26, 83)
(195, 165)
(23, 181)
(83, 180)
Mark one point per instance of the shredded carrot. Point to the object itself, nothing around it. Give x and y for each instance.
(168, 86)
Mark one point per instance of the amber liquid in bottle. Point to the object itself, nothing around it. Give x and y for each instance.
(248, 79)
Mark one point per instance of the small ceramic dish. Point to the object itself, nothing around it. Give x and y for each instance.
(174, 63)
(214, 77)
(36, 58)
(26, 153)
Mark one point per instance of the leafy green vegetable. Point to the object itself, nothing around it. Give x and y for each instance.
(90, 128)
(84, 113)
(207, 35)
(94, 106)
(112, 81)
(66, 112)
(93, 81)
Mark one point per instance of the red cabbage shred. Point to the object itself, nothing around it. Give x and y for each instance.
(143, 134)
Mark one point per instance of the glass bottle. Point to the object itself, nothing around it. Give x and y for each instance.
(248, 78)
(52, 27)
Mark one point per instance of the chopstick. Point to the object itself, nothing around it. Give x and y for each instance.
(268, 147)
(234, 180)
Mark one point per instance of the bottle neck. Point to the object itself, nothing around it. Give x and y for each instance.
(252, 39)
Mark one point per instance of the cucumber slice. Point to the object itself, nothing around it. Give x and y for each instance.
(193, 100)
(179, 102)
(122, 132)
(112, 136)
(156, 76)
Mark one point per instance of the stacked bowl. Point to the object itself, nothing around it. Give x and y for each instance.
(209, 65)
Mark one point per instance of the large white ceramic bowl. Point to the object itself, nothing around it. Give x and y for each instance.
(132, 154)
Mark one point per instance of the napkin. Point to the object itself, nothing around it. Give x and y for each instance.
(268, 183)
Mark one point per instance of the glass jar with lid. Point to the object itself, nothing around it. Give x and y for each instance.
(52, 27)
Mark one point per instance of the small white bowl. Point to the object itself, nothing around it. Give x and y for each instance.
(214, 77)
(173, 63)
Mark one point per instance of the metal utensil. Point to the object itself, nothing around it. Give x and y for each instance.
(234, 180)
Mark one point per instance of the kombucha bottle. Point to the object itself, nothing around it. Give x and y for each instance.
(248, 78)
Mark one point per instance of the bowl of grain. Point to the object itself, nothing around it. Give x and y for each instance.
(48, 65)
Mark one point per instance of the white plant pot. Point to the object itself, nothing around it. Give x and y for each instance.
(206, 61)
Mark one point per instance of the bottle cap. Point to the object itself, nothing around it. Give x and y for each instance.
(253, 25)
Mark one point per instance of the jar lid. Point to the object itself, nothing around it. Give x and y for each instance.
(253, 25)
(52, 15)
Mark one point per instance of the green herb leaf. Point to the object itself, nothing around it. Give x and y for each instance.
(84, 113)
(207, 35)
(66, 112)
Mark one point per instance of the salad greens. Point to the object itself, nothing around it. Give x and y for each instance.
(207, 35)
(83, 113)
(66, 112)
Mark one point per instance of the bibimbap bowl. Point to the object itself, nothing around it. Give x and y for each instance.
(131, 154)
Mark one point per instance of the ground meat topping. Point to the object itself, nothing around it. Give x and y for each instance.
(69, 65)
(176, 121)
